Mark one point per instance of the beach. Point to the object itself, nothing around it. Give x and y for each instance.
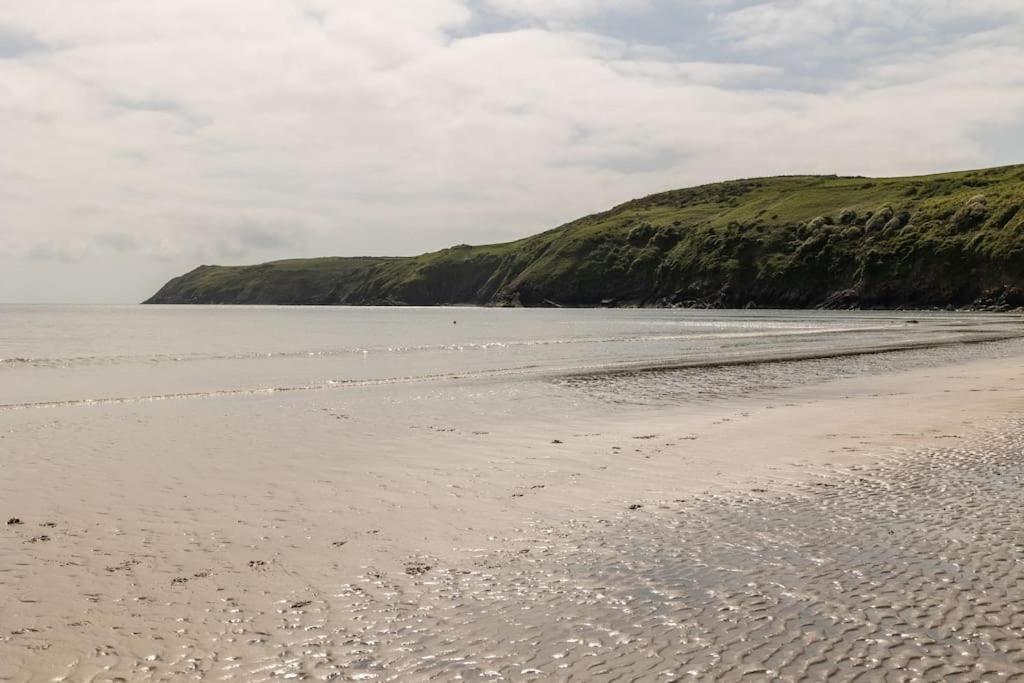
(843, 507)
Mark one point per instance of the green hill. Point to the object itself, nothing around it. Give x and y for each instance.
(787, 242)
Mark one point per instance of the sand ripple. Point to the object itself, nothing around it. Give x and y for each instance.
(907, 572)
(913, 570)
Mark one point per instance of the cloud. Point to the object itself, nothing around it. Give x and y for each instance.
(17, 44)
(841, 25)
(247, 238)
(196, 131)
(117, 241)
(54, 252)
(560, 11)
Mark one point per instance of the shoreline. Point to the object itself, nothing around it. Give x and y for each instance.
(140, 544)
(526, 372)
(547, 305)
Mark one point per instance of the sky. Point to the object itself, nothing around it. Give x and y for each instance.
(141, 138)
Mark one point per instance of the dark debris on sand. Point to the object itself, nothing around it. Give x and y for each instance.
(417, 568)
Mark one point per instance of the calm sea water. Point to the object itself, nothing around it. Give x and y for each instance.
(59, 354)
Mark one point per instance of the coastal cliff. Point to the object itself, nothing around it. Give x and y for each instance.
(953, 239)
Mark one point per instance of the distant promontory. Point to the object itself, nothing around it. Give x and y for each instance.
(949, 240)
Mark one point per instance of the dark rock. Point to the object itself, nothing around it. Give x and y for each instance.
(845, 299)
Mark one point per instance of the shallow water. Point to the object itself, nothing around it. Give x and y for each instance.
(55, 354)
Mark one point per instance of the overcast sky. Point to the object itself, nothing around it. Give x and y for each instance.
(140, 138)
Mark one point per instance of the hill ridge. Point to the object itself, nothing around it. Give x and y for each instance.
(799, 241)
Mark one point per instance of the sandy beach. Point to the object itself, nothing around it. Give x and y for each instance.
(592, 341)
(834, 526)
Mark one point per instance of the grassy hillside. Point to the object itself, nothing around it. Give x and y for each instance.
(800, 241)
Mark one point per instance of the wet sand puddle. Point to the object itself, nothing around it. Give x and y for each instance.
(680, 386)
(911, 570)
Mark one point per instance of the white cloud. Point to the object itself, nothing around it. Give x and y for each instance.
(192, 131)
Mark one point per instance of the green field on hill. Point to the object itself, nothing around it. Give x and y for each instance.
(954, 239)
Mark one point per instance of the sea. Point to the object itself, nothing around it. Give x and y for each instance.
(52, 355)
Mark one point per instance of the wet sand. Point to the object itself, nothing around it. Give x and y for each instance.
(864, 526)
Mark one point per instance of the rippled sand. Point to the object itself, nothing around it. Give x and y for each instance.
(907, 571)
(910, 571)
(697, 546)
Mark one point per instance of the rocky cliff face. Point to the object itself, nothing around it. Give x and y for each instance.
(790, 242)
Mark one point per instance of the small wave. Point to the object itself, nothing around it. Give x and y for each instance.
(257, 391)
(164, 358)
(595, 370)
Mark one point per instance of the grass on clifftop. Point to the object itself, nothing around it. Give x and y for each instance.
(794, 241)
